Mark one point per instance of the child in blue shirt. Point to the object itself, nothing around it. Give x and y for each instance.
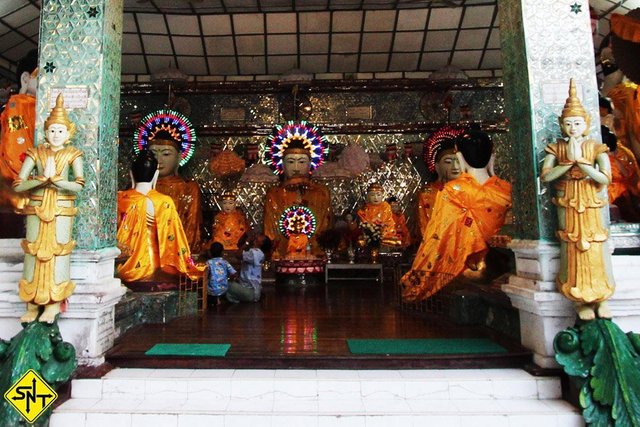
(219, 271)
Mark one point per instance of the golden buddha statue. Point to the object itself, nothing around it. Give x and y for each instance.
(294, 153)
(468, 211)
(378, 213)
(150, 232)
(580, 169)
(400, 220)
(229, 224)
(442, 162)
(171, 139)
(45, 174)
(297, 241)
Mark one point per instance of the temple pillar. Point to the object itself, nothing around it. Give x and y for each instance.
(544, 44)
(79, 54)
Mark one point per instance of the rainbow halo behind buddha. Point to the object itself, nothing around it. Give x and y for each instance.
(176, 124)
(295, 135)
(296, 218)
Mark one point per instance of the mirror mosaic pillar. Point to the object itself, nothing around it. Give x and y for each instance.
(80, 54)
(544, 44)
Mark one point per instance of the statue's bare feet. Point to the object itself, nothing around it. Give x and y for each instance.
(50, 312)
(585, 312)
(604, 312)
(31, 314)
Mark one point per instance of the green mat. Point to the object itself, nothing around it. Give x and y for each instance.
(198, 350)
(424, 346)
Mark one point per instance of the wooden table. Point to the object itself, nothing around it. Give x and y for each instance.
(341, 267)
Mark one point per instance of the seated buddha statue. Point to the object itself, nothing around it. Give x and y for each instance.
(378, 213)
(229, 224)
(165, 143)
(402, 230)
(468, 211)
(150, 232)
(443, 165)
(294, 154)
(297, 242)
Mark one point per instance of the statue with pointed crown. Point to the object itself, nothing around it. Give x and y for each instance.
(580, 170)
(52, 175)
(229, 224)
(294, 152)
(171, 137)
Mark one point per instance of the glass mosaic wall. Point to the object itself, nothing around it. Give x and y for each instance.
(401, 109)
(544, 44)
(80, 48)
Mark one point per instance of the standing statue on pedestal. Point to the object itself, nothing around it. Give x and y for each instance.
(580, 168)
(294, 152)
(171, 138)
(45, 174)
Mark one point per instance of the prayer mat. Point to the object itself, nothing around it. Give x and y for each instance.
(424, 346)
(195, 350)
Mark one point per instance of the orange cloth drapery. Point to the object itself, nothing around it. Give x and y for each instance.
(228, 228)
(624, 174)
(186, 197)
(17, 122)
(465, 216)
(134, 232)
(625, 27)
(426, 202)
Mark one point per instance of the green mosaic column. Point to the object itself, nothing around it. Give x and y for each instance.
(544, 44)
(80, 53)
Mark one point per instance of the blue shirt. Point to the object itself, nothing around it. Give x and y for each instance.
(219, 272)
(251, 270)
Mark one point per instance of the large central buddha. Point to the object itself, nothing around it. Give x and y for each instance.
(294, 153)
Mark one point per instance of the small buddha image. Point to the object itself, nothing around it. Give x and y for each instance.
(298, 242)
(378, 214)
(170, 137)
(402, 231)
(230, 223)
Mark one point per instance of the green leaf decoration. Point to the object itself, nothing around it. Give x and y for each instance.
(38, 346)
(601, 353)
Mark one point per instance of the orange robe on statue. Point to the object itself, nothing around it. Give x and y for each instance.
(426, 202)
(17, 123)
(380, 214)
(186, 196)
(624, 174)
(297, 246)
(228, 228)
(314, 196)
(402, 231)
(155, 242)
(465, 216)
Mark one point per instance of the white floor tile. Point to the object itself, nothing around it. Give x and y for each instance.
(426, 390)
(86, 389)
(191, 420)
(379, 389)
(108, 420)
(484, 421)
(432, 406)
(251, 389)
(470, 390)
(73, 405)
(209, 389)
(514, 389)
(549, 388)
(341, 406)
(212, 373)
(305, 374)
(379, 374)
(533, 420)
(154, 420)
(295, 389)
(254, 373)
(123, 389)
(166, 389)
(342, 421)
(336, 374)
(116, 405)
(386, 406)
(570, 420)
(388, 421)
(210, 406)
(435, 421)
(172, 373)
(152, 405)
(339, 389)
(477, 406)
(295, 421)
(300, 406)
(250, 405)
(129, 373)
(247, 421)
(61, 419)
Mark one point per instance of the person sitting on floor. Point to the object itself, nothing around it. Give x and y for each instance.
(219, 271)
(248, 288)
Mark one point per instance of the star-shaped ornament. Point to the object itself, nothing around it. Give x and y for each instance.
(93, 12)
(49, 67)
(576, 8)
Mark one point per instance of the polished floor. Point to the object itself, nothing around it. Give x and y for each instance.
(308, 328)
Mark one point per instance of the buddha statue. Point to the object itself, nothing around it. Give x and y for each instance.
(580, 168)
(297, 241)
(294, 153)
(468, 211)
(150, 232)
(229, 224)
(400, 220)
(52, 175)
(442, 163)
(169, 137)
(17, 124)
(377, 213)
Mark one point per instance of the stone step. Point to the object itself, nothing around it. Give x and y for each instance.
(169, 397)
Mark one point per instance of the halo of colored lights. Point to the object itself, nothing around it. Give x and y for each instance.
(295, 214)
(309, 135)
(433, 144)
(172, 121)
